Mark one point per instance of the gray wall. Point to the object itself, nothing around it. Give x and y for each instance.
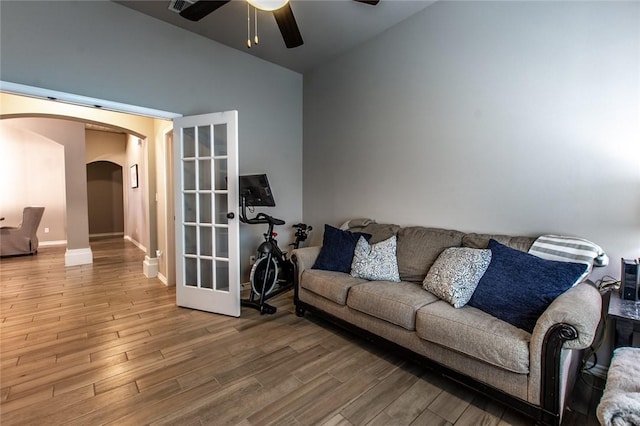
(104, 50)
(509, 117)
(105, 198)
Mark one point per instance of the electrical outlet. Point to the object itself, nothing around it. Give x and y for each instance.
(46, 230)
(252, 260)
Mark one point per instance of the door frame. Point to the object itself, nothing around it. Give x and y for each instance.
(170, 215)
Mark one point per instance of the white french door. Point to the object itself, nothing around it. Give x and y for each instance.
(207, 226)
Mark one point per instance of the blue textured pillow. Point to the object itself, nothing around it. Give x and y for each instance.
(337, 249)
(517, 287)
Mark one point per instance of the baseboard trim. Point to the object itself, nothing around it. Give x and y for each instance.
(75, 257)
(135, 243)
(163, 279)
(52, 243)
(107, 234)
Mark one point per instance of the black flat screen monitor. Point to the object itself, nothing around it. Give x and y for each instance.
(256, 190)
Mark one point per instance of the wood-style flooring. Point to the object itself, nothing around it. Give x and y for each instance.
(102, 344)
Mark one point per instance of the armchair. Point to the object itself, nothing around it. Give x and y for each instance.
(23, 239)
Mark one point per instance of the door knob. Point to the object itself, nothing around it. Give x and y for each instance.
(230, 215)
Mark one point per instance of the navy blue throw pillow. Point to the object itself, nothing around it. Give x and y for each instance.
(518, 287)
(337, 249)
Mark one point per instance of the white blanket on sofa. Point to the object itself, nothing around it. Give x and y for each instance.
(570, 249)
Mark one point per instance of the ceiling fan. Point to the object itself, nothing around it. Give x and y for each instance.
(281, 9)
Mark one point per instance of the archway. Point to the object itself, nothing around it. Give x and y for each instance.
(145, 129)
(71, 133)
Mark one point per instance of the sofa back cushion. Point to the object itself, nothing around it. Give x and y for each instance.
(418, 247)
(378, 231)
(481, 241)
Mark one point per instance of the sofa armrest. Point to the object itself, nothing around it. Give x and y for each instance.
(579, 307)
(570, 322)
(304, 258)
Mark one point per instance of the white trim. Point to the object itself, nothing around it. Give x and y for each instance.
(38, 92)
(135, 243)
(150, 267)
(163, 279)
(52, 243)
(107, 234)
(75, 257)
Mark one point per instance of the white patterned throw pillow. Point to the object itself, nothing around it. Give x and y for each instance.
(376, 262)
(455, 274)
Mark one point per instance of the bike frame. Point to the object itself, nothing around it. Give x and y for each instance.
(269, 252)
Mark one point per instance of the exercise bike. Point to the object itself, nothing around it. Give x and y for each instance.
(273, 272)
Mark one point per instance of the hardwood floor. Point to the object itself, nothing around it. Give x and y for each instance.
(102, 344)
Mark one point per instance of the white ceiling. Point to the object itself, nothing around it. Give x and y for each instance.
(328, 27)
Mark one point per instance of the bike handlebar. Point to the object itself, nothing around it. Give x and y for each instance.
(262, 218)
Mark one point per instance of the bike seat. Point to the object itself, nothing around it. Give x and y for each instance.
(265, 218)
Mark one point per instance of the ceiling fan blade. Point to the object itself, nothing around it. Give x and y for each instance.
(288, 26)
(201, 8)
(371, 2)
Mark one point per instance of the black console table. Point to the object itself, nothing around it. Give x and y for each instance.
(627, 316)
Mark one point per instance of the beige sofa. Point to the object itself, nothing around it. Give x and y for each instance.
(531, 372)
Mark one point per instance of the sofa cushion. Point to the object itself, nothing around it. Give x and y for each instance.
(481, 241)
(418, 247)
(379, 231)
(396, 303)
(476, 334)
(377, 261)
(336, 253)
(329, 284)
(456, 273)
(517, 287)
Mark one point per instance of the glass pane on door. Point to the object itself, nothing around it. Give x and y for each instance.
(191, 272)
(204, 174)
(220, 140)
(206, 273)
(204, 141)
(222, 275)
(221, 174)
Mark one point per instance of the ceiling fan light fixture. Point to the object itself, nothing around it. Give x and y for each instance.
(268, 5)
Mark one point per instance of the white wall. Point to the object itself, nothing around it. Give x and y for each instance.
(104, 50)
(507, 117)
(32, 174)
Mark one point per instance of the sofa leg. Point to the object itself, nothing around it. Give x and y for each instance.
(300, 311)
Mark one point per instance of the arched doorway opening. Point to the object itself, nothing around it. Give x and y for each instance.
(105, 199)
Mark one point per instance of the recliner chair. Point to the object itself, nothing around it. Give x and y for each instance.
(23, 239)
